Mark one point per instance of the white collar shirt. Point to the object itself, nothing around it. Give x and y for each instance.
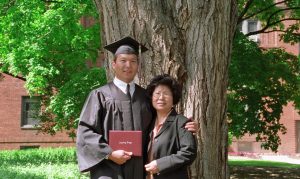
(122, 85)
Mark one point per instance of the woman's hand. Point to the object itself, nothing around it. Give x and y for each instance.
(152, 167)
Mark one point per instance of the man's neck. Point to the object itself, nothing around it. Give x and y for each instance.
(123, 85)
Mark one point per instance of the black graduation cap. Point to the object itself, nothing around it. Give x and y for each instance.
(126, 45)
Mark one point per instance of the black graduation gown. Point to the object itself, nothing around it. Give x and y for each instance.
(108, 108)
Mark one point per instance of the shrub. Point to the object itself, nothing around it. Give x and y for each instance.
(39, 163)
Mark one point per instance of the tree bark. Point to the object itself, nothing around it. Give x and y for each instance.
(190, 40)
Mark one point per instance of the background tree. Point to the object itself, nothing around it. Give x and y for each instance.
(268, 79)
(44, 43)
(191, 40)
(261, 83)
(184, 44)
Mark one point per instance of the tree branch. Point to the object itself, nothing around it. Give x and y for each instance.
(51, 1)
(284, 31)
(285, 9)
(262, 10)
(269, 25)
(19, 77)
(247, 6)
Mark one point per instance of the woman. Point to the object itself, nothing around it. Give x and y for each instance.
(171, 148)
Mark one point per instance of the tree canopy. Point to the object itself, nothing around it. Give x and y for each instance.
(44, 43)
(261, 82)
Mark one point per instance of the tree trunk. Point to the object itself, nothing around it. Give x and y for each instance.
(190, 40)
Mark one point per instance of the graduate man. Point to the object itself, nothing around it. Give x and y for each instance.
(118, 105)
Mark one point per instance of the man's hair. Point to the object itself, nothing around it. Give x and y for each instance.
(115, 57)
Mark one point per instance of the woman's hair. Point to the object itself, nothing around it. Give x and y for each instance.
(168, 81)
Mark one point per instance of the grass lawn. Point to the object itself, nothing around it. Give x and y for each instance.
(58, 163)
(42, 171)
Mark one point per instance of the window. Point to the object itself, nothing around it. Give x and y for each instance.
(250, 26)
(30, 110)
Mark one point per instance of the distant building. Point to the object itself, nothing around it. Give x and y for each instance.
(290, 142)
(17, 113)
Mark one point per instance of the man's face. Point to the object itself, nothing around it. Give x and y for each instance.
(125, 66)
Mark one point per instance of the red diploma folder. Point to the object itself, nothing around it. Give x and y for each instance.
(130, 141)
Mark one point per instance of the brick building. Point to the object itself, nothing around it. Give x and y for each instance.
(290, 142)
(16, 122)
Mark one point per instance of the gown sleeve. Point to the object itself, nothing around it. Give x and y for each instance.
(91, 142)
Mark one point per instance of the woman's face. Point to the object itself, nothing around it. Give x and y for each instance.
(162, 98)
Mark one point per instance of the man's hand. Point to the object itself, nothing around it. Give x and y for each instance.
(120, 156)
(152, 167)
(192, 126)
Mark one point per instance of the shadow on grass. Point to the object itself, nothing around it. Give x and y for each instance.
(243, 172)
